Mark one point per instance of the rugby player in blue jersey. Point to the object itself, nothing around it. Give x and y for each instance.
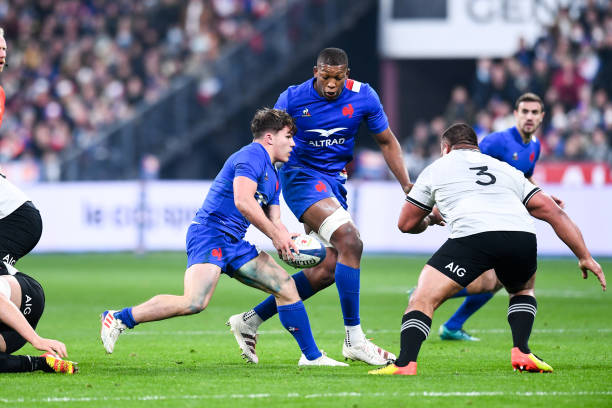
(328, 110)
(519, 147)
(246, 191)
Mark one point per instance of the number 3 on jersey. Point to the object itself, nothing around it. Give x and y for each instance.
(482, 171)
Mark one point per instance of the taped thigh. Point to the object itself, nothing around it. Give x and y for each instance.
(332, 223)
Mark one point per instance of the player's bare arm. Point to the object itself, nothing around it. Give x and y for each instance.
(244, 199)
(557, 200)
(543, 207)
(274, 214)
(413, 220)
(12, 317)
(392, 152)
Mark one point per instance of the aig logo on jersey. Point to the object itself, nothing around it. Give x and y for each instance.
(456, 269)
(28, 306)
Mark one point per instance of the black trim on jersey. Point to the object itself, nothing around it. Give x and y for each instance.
(418, 204)
(531, 194)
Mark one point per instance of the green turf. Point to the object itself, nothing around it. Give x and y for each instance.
(194, 361)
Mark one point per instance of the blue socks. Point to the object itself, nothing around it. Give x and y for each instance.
(347, 282)
(461, 293)
(267, 308)
(469, 306)
(294, 318)
(125, 315)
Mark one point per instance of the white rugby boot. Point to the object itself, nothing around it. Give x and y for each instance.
(111, 329)
(367, 352)
(246, 337)
(321, 361)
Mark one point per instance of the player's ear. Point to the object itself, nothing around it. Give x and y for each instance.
(348, 71)
(444, 147)
(314, 71)
(269, 138)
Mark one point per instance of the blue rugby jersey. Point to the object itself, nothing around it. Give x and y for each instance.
(219, 210)
(508, 147)
(326, 129)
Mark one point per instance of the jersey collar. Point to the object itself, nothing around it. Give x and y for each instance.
(265, 152)
(517, 136)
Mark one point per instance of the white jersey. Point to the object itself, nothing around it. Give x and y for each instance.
(11, 197)
(475, 193)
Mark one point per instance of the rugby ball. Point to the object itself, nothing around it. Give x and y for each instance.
(312, 252)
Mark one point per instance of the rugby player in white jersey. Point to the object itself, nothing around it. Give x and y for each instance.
(22, 299)
(487, 204)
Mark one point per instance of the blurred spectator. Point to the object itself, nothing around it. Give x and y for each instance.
(459, 108)
(567, 82)
(570, 67)
(599, 148)
(77, 66)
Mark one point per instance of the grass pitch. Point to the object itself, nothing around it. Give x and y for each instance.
(194, 360)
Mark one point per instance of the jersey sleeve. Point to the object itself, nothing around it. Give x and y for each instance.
(529, 190)
(276, 198)
(282, 102)
(421, 193)
(376, 117)
(246, 165)
(492, 145)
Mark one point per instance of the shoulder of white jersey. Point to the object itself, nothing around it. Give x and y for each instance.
(353, 85)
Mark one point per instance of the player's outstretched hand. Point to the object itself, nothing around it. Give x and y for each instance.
(557, 200)
(284, 244)
(589, 264)
(54, 346)
(435, 218)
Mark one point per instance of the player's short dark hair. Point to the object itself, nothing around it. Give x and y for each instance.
(529, 97)
(271, 120)
(460, 133)
(332, 56)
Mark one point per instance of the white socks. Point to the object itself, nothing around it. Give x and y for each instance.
(252, 319)
(354, 335)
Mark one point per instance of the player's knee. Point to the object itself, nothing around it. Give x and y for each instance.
(323, 275)
(346, 240)
(426, 302)
(195, 305)
(286, 290)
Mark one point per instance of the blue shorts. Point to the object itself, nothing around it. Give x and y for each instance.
(210, 245)
(302, 187)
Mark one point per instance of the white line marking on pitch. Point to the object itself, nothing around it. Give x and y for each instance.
(426, 394)
(276, 332)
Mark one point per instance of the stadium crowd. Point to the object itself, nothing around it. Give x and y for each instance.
(79, 65)
(570, 67)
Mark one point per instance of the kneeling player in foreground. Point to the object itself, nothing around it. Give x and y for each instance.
(487, 204)
(245, 191)
(22, 301)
